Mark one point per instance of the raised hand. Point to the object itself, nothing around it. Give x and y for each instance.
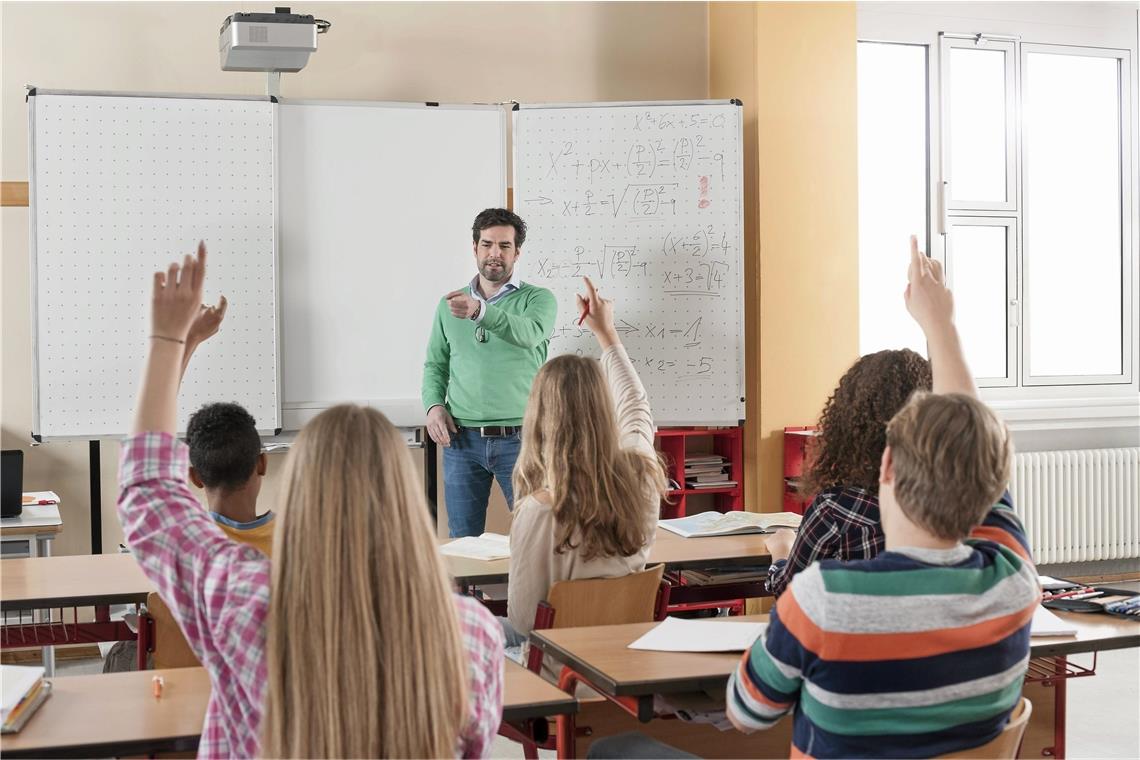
(597, 314)
(927, 298)
(207, 322)
(177, 297)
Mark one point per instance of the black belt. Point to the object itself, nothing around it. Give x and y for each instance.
(497, 431)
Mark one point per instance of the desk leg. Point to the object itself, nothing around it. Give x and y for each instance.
(47, 654)
(1061, 687)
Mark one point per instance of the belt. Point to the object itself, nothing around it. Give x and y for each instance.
(497, 431)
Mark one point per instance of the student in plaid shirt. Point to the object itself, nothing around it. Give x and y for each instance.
(842, 521)
(350, 643)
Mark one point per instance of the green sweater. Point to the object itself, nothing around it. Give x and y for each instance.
(488, 383)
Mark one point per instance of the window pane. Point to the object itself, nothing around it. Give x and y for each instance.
(977, 105)
(977, 272)
(1073, 251)
(892, 188)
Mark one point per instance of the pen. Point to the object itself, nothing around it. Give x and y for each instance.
(1070, 593)
(585, 313)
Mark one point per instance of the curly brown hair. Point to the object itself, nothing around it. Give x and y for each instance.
(853, 425)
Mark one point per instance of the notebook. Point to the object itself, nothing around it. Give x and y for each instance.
(730, 523)
(488, 546)
(678, 635)
(24, 690)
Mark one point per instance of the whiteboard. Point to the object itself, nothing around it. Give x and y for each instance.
(120, 186)
(377, 202)
(648, 201)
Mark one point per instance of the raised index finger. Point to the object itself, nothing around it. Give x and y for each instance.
(200, 270)
(593, 294)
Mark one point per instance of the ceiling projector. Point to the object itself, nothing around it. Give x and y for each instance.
(279, 41)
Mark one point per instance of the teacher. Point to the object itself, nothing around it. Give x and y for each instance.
(488, 340)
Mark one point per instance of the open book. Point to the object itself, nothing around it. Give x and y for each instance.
(730, 523)
(487, 546)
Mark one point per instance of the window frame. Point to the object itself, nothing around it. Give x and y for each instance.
(1012, 302)
(1126, 127)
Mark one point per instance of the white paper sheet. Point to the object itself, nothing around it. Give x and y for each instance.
(1045, 623)
(488, 546)
(679, 635)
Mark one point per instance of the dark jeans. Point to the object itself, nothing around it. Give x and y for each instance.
(469, 465)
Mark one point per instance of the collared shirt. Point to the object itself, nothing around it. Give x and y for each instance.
(840, 523)
(511, 286)
(218, 591)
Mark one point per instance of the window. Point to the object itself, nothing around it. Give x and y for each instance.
(1026, 190)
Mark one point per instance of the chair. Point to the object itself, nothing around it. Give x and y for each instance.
(1005, 745)
(170, 647)
(635, 598)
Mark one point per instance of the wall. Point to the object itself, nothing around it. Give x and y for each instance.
(449, 52)
(796, 63)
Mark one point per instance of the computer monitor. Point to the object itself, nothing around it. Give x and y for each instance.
(11, 483)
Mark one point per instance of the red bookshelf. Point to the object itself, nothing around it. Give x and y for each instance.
(728, 442)
(797, 441)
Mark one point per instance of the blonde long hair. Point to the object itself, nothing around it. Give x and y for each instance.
(570, 448)
(365, 657)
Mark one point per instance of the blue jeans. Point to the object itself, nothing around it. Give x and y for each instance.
(469, 465)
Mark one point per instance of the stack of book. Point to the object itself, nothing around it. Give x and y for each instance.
(707, 471)
(713, 577)
(24, 690)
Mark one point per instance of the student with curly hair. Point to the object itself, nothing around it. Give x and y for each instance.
(842, 522)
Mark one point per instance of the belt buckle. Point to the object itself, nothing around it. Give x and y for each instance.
(491, 431)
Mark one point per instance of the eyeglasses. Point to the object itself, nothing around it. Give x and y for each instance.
(480, 334)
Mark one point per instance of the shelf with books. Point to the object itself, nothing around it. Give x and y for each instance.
(797, 441)
(689, 459)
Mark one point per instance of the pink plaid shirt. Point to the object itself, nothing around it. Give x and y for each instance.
(218, 591)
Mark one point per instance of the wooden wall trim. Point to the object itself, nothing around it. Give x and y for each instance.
(13, 193)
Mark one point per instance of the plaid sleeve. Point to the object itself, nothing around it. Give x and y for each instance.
(766, 684)
(818, 537)
(483, 640)
(217, 589)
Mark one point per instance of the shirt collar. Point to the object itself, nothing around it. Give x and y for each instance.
(512, 284)
(951, 556)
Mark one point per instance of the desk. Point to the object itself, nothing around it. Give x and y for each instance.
(599, 656)
(38, 524)
(675, 552)
(45, 583)
(117, 714)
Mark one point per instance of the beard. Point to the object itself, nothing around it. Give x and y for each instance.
(498, 273)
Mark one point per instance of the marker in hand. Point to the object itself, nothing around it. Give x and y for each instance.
(585, 313)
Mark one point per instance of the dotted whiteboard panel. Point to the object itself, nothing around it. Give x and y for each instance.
(122, 186)
(647, 200)
(377, 201)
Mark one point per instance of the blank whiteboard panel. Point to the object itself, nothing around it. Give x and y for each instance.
(120, 187)
(648, 201)
(377, 202)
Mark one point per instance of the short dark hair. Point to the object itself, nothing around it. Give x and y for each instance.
(224, 445)
(499, 217)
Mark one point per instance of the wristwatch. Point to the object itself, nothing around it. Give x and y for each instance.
(478, 310)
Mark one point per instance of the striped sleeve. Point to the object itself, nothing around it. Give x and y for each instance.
(766, 684)
(1002, 526)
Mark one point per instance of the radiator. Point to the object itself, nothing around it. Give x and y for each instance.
(1079, 506)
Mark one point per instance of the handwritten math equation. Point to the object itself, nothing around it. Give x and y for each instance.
(642, 159)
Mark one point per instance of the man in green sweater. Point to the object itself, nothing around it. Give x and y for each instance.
(488, 340)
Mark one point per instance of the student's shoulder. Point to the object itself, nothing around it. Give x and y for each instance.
(477, 626)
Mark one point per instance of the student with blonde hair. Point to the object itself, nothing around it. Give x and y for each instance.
(350, 643)
(588, 482)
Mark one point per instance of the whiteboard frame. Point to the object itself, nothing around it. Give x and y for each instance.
(741, 379)
(296, 414)
(33, 251)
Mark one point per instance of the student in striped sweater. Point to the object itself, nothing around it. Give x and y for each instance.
(922, 650)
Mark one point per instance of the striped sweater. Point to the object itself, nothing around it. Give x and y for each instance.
(915, 653)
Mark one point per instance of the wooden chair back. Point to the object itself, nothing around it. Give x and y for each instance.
(631, 598)
(170, 647)
(1005, 745)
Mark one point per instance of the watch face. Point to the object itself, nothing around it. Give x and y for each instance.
(480, 334)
